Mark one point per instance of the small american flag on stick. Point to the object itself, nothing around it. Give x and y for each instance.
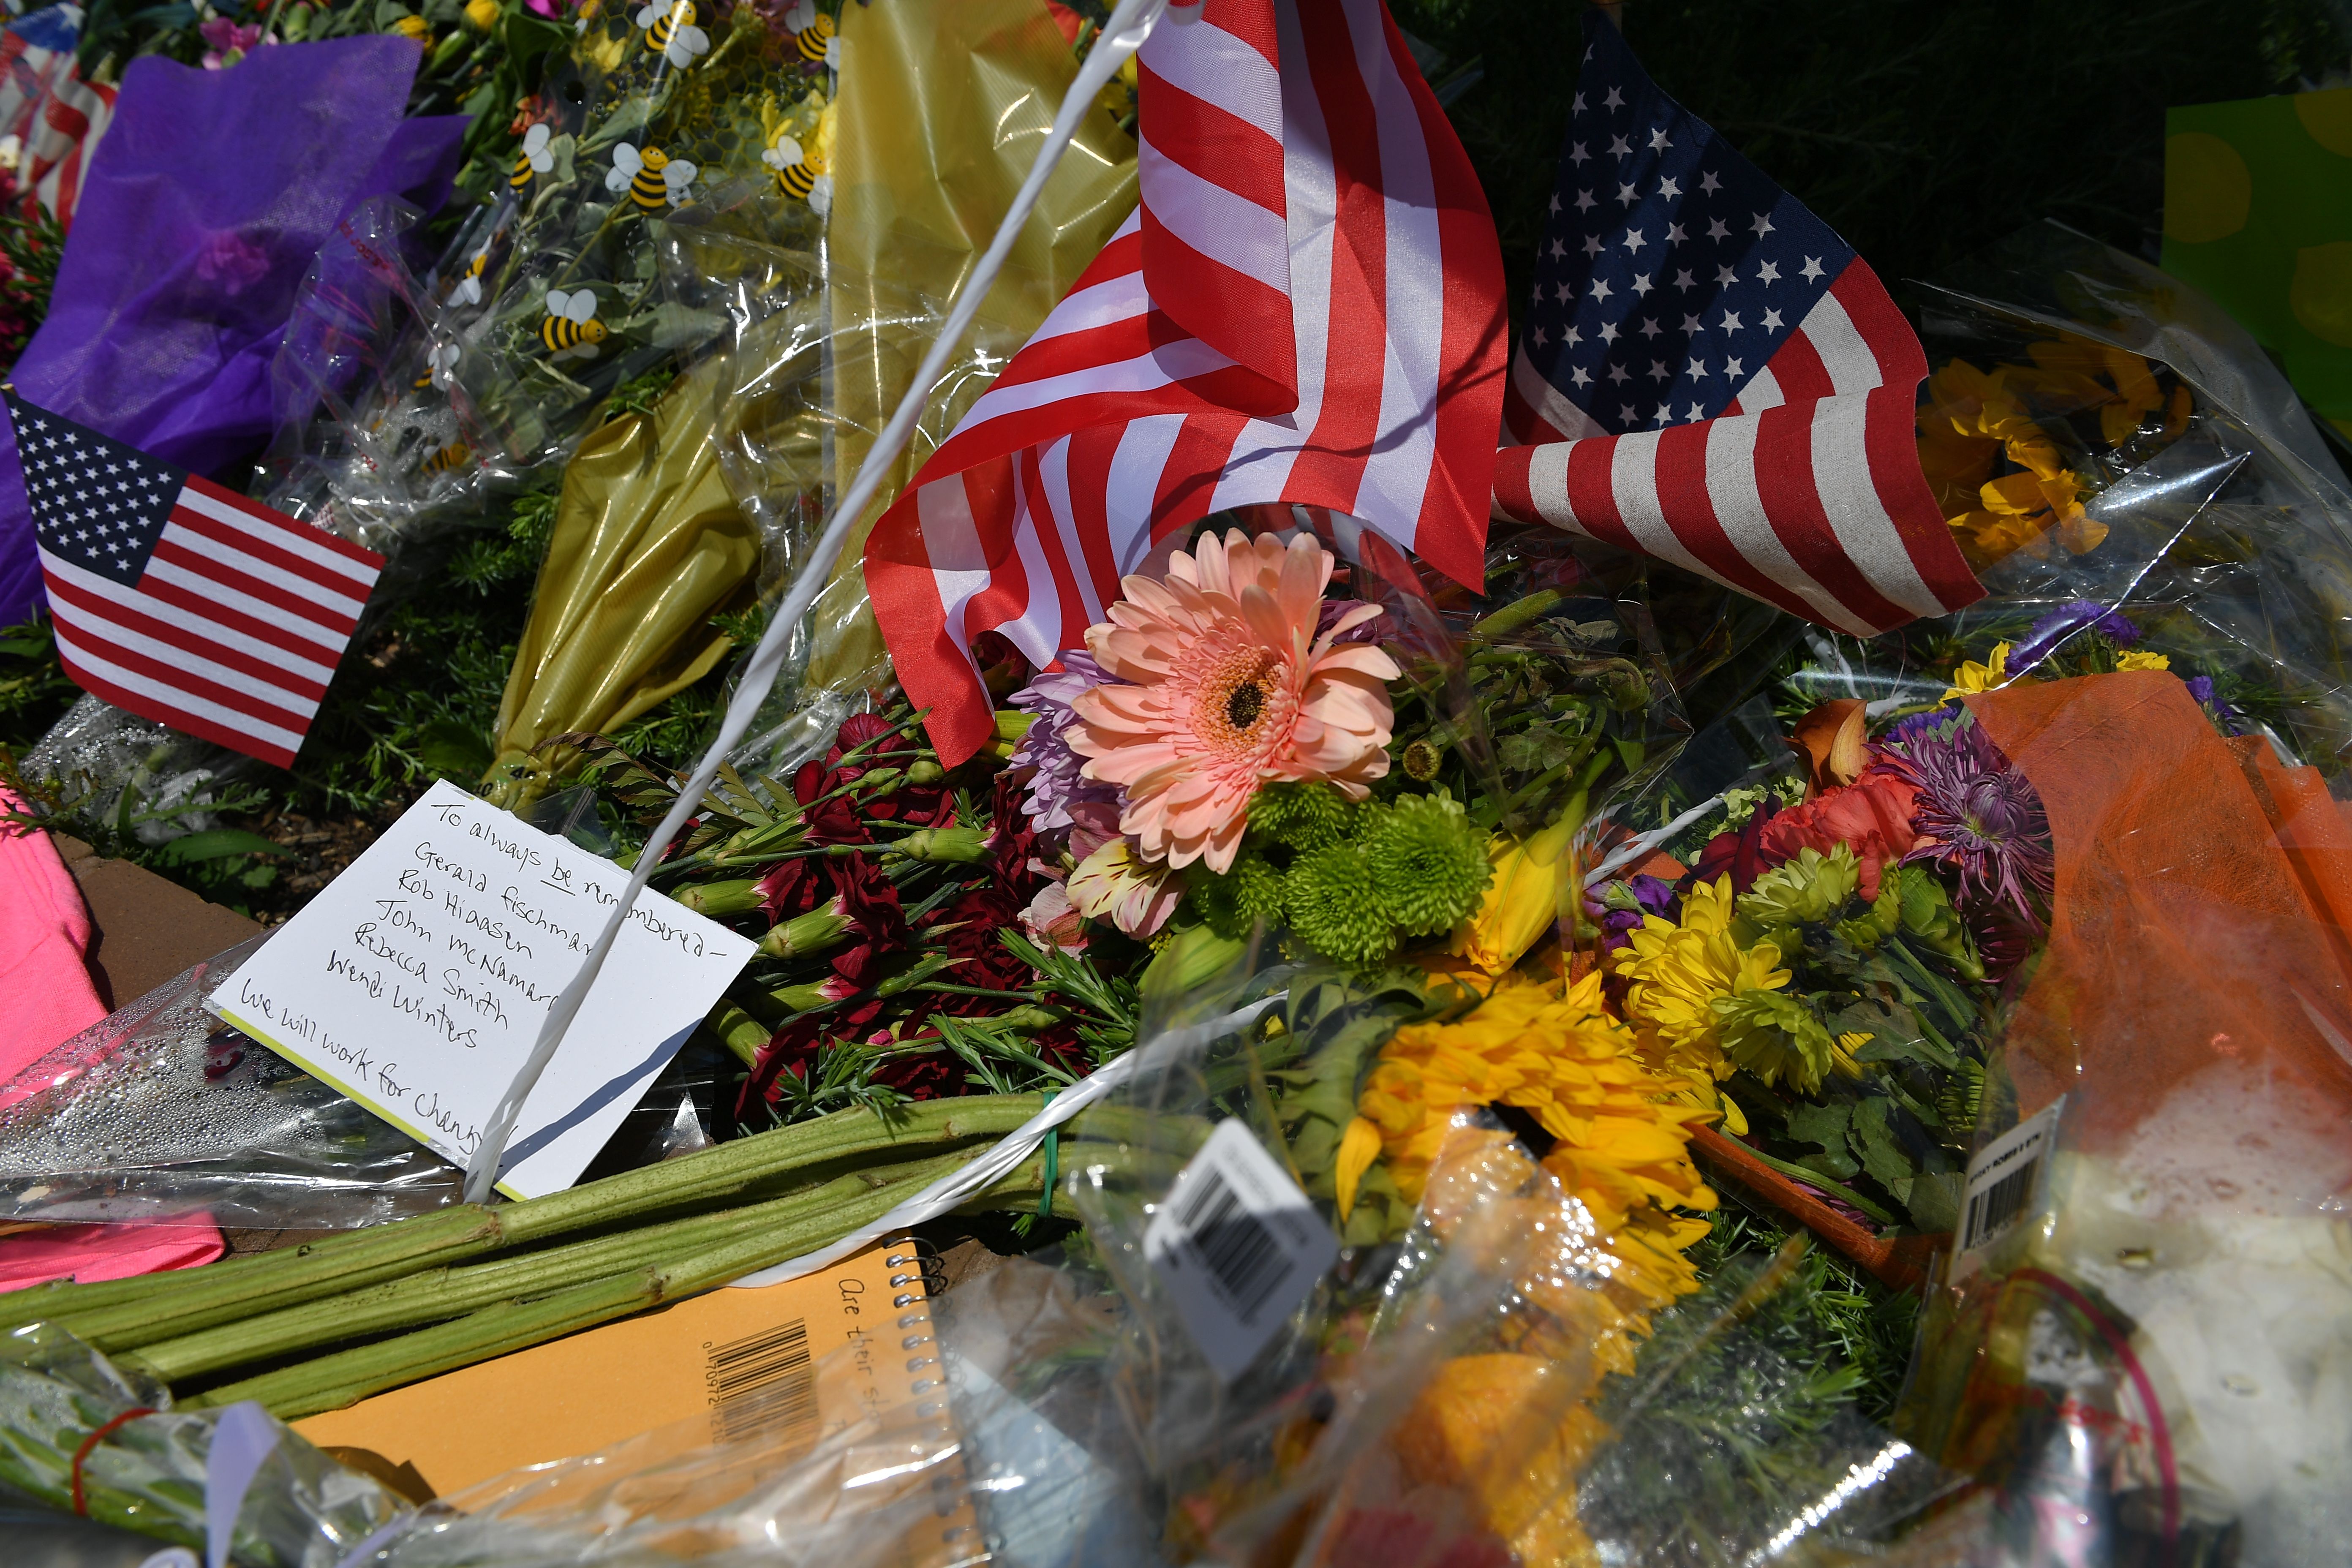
(1710, 375)
(183, 602)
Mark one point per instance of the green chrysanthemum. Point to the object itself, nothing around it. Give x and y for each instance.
(1334, 909)
(1808, 891)
(1774, 1036)
(1301, 816)
(1427, 863)
(1234, 904)
(1928, 915)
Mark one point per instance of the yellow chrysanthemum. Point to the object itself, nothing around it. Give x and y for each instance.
(1676, 973)
(1990, 676)
(1621, 1146)
(2141, 659)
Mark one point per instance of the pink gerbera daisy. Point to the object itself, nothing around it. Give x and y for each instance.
(1228, 686)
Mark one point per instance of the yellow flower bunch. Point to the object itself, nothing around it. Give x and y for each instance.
(1973, 417)
(1675, 973)
(1622, 1139)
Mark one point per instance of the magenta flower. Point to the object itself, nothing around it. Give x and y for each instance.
(1980, 819)
(230, 41)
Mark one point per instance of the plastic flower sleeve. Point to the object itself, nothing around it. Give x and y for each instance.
(930, 137)
(79, 1434)
(1482, 1377)
(160, 1114)
(2140, 1348)
(2107, 442)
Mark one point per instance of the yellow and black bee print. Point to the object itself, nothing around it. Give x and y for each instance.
(570, 330)
(652, 179)
(448, 459)
(670, 31)
(535, 158)
(813, 39)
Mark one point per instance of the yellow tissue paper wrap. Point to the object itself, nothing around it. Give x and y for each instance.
(943, 104)
(649, 545)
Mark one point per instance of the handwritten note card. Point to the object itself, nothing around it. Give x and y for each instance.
(416, 982)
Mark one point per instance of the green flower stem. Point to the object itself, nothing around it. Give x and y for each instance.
(181, 1304)
(331, 1382)
(1814, 1178)
(443, 1293)
(1517, 614)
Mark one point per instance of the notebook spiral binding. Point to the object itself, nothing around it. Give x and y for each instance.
(917, 1275)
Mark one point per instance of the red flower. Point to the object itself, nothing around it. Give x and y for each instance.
(795, 1049)
(872, 905)
(793, 887)
(1738, 855)
(837, 820)
(1870, 815)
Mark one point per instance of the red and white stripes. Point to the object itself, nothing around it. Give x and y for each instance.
(231, 633)
(1806, 492)
(1331, 334)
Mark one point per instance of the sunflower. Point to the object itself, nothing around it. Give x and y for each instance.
(1620, 1138)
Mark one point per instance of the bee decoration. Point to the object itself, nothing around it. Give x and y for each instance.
(447, 460)
(468, 290)
(572, 329)
(670, 31)
(800, 174)
(812, 34)
(440, 364)
(651, 176)
(535, 158)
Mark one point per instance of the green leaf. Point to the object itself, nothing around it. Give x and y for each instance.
(1822, 1125)
(1935, 1200)
(217, 844)
(1833, 1163)
(450, 746)
(1882, 1156)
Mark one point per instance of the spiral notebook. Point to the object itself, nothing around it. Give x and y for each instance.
(794, 1363)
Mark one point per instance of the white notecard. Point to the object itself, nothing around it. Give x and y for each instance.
(416, 983)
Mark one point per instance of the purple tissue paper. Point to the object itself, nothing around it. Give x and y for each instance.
(198, 218)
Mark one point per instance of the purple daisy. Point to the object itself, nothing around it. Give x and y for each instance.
(2066, 621)
(1057, 784)
(1912, 725)
(1980, 819)
(2226, 719)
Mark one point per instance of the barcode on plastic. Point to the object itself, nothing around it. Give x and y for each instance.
(2005, 1178)
(1991, 1211)
(761, 1382)
(1244, 1260)
(1238, 1247)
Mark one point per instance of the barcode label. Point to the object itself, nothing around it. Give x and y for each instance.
(1238, 1247)
(761, 1382)
(2005, 1178)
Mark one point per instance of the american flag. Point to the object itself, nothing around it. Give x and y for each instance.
(1306, 308)
(1710, 375)
(181, 601)
(57, 116)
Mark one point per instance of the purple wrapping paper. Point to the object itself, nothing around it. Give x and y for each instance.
(198, 218)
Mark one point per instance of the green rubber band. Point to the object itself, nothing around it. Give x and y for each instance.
(1052, 1164)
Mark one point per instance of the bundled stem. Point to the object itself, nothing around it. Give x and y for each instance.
(448, 1292)
(175, 1306)
(331, 1382)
